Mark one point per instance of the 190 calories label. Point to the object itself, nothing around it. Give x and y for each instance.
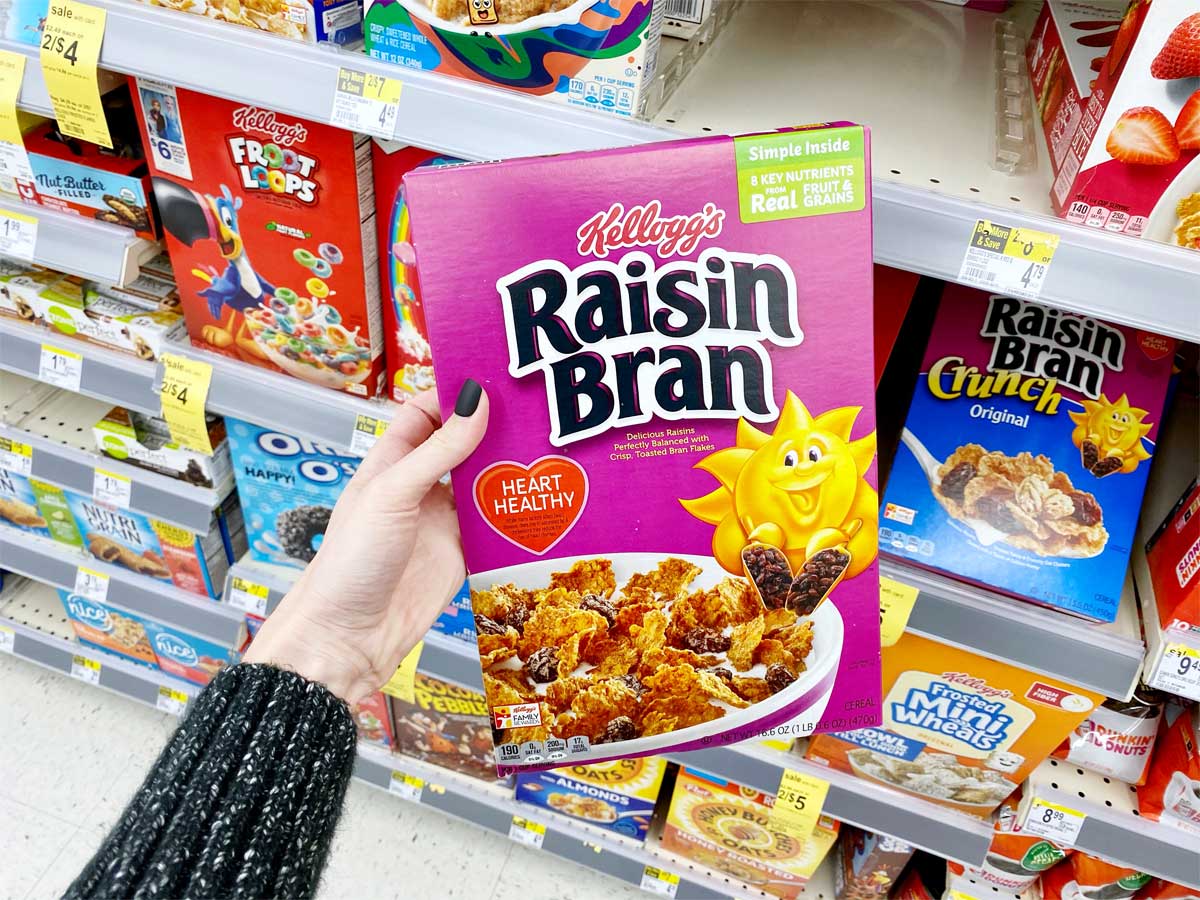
(793, 174)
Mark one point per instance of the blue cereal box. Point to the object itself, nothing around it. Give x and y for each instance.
(1026, 449)
(618, 795)
(18, 505)
(108, 628)
(186, 655)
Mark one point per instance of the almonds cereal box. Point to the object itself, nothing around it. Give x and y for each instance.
(618, 795)
(959, 729)
(1026, 450)
(671, 523)
(726, 826)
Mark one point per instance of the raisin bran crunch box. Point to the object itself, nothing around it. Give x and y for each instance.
(671, 523)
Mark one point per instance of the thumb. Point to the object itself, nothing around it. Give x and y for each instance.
(407, 482)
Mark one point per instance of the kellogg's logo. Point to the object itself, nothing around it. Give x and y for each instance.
(89, 613)
(175, 648)
(251, 118)
(644, 226)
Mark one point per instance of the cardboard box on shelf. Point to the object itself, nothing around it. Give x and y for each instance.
(145, 441)
(618, 795)
(726, 826)
(1173, 558)
(445, 725)
(102, 625)
(188, 656)
(1015, 860)
(868, 864)
(18, 504)
(594, 55)
(373, 721)
(1172, 789)
(272, 236)
(959, 729)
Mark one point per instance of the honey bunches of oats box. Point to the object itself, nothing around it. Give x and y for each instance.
(618, 795)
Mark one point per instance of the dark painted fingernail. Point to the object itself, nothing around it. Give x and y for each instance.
(468, 398)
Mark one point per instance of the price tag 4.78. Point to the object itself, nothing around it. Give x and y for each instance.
(1058, 823)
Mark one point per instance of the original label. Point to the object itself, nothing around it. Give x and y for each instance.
(367, 430)
(1060, 824)
(14, 161)
(798, 802)
(85, 669)
(527, 832)
(91, 584)
(171, 701)
(7, 639)
(407, 786)
(61, 368)
(18, 235)
(184, 393)
(402, 684)
(659, 881)
(1007, 259)
(248, 596)
(111, 488)
(15, 456)
(71, 39)
(366, 103)
(1179, 671)
(792, 174)
(896, 601)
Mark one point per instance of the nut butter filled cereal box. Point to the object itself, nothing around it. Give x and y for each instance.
(270, 223)
(1026, 449)
(959, 729)
(671, 523)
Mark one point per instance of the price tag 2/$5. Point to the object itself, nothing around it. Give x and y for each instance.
(70, 49)
(798, 802)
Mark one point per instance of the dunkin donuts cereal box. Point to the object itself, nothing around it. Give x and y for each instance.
(671, 522)
(727, 827)
(1026, 450)
(593, 54)
(959, 729)
(270, 223)
(618, 795)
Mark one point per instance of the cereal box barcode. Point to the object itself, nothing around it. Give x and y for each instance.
(518, 715)
(688, 10)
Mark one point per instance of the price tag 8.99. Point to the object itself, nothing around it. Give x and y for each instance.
(1058, 823)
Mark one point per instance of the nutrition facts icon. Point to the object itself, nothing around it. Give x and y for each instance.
(556, 748)
(579, 744)
(508, 753)
(533, 751)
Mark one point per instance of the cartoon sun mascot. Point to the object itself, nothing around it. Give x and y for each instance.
(191, 217)
(801, 489)
(1109, 436)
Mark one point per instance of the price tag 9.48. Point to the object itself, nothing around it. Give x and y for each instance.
(71, 39)
(1058, 823)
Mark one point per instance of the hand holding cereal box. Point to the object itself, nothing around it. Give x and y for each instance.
(671, 523)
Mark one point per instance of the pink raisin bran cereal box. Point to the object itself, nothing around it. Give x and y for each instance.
(671, 523)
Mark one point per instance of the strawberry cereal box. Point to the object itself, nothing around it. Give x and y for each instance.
(1132, 166)
(270, 227)
(671, 522)
(1026, 449)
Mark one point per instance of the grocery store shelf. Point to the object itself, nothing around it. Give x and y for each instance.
(106, 375)
(98, 251)
(33, 97)
(1104, 658)
(42, 634)
(1113, 829)
(56, 565)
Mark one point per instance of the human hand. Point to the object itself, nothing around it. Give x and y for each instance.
(390, 560)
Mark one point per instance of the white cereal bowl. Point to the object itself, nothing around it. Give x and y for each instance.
(1163, 221)
(809, 693)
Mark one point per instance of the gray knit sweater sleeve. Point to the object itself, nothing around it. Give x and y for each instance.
(241, 803)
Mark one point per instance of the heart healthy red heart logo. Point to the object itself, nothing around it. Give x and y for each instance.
(532, 506)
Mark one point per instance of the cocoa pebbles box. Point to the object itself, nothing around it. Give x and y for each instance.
(671, 524)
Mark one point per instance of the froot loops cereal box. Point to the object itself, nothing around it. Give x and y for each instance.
(959, 729)
(671, 522)
(727, 827)
(594, 54)
(270, 227)
(618, 795)
(1026, 450)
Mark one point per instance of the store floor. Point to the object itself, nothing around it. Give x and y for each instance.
(71, 755)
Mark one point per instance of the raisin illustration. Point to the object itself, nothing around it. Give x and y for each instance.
(779, 676)
(484, 625)
(517, 617)
(705, 640)
(604, 607)
(622, 728)
(543, 664)
(1107, 466)
(631, 682)
(1087, 511)
(816, 579)
(956, 480)
(1089, 454)
(768, 568)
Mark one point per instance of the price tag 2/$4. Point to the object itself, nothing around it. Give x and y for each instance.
(70, 50)
(184, 393)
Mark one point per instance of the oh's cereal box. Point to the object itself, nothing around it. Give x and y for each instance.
(270, 224)
(618, 795)
(958, 728)
(671, 522)
(1026, 450)
(727, 827)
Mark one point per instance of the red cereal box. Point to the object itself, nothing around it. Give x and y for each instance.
(1173, 557)
(270, 234)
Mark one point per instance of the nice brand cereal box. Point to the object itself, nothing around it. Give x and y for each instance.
(106, 627)
(188, 656)
(671, 523)
(959, 729)
(593, 54)
(618, 795)
(726, 826)
(1026, 450)
(270, 226)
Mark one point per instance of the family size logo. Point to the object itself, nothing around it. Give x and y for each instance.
(621, 342)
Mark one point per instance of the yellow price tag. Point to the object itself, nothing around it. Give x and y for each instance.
(1008, 258)
(367, 430)
(526, 831)
(71, 39)
(171, 700)
(14, 161)
(366, 102)
(248, 596)
(184, 393)
(407, 786)
(798, 801)
(402, 684)
(896, 602)
(659, 881)
(15, 456)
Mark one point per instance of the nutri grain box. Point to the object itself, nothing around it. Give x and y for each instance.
(1026, 450)
(671, 522)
